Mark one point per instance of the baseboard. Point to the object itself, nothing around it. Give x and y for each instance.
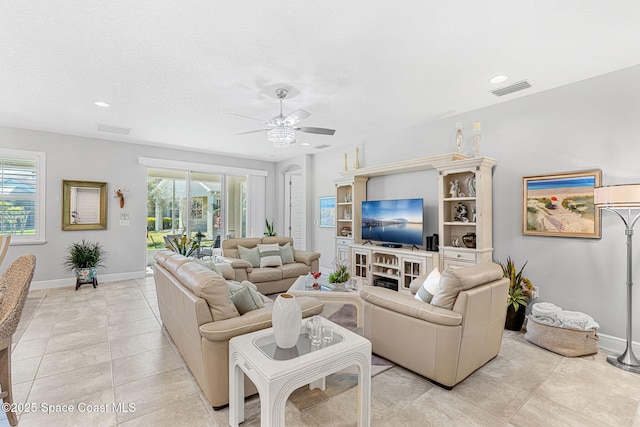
(616, 345)
(71, 282)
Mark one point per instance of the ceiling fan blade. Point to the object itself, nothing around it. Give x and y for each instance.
(247, 117)
(252, 131)
(296, 116)
(321, 131)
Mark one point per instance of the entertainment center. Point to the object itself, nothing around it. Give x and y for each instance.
(464, 221)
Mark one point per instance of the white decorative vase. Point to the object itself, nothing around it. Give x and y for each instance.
(286, 319)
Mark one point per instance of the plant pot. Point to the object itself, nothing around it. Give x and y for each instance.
(85, 275)
(515, 319)
(286, 319)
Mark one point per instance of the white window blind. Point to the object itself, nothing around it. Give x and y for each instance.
(22, 195)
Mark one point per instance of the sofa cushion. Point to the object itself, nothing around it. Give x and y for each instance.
(293, 270)
(252, 255)
(286, 254)
(454, 281)
(245, 296)
(430, 287)
(269, 255)
(210, 286)
(269, 274)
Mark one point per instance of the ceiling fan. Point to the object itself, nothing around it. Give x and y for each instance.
(281, 129)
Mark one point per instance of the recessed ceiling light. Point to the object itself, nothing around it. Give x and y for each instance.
(102, 104)
(306, 144)
(499, 79)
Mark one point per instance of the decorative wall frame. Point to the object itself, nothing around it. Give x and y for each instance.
(561, 205)
(327, 211)
(84, 205)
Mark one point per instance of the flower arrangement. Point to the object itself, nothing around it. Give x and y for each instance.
(183, 245)
(520, 288)
(340, 271)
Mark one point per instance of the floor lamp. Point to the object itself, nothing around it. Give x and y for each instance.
(624, 201)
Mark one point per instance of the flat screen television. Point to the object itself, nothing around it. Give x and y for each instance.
(393, 221)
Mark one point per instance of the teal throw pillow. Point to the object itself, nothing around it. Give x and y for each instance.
(286, 254)
(252, 255)
(245, 296)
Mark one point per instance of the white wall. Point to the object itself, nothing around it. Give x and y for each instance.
(84, 159)
(590, 124)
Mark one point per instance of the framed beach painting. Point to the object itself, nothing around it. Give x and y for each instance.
(561, 205)
(327, 211)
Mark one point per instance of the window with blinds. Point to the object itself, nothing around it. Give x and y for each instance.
(22, 195)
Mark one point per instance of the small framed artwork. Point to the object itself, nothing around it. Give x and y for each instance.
(561, 205)
(327, 211)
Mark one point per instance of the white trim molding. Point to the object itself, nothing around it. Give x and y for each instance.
(199, 167)
(616, 345)
(71, 282)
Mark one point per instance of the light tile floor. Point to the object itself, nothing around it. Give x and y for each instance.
(103, 353)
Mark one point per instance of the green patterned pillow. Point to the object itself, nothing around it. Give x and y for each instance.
(245, 296)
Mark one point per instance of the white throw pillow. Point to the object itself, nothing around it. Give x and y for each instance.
(269, 255)
(430, 287)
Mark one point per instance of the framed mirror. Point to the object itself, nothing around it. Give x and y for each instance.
(84, 205)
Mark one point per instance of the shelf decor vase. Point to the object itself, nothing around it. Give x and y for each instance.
(469, 240)
(286, 319)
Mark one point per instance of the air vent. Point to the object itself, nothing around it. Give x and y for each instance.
(322, 147)
(511, 88)
(113, 129)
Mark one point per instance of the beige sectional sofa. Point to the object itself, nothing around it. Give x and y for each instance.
(269, 280)
(196, 309)
(444, 343)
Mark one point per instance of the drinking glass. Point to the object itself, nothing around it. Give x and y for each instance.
(316, 331)
(327, 333)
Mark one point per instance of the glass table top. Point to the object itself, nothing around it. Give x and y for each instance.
(308, 283)
(267, 344)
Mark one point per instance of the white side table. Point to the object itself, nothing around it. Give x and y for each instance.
(256, 356)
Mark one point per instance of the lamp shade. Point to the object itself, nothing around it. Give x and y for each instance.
(617, 196)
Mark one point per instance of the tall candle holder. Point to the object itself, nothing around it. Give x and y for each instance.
(476, 138)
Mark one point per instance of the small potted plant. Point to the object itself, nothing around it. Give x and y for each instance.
(520, 291)
(340, 273)
(83, 258)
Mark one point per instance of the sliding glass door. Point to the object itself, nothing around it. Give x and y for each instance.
(207, 206)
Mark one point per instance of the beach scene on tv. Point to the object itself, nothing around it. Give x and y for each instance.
(561, 205)
(393, 221)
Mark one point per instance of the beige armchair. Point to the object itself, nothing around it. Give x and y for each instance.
(446, 343)
(17, 279)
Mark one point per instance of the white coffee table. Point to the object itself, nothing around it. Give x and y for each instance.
(276, 373)
(330, 293)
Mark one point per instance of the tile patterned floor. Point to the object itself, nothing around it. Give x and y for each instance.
(103, 353)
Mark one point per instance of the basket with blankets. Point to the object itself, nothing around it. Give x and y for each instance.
(569, 333)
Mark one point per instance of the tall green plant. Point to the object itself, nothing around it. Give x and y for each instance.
(269, 228)
(520, 288)
(84, 254)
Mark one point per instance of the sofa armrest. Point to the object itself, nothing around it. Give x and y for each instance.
(238, 263)
(408, 305)
(305, 257)
(227, 270)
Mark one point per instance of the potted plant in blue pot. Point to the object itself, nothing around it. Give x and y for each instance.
(84, 258)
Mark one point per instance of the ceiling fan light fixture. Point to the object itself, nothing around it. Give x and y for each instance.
(281, 136)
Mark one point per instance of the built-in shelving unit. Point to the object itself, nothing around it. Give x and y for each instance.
(464, 210)
(349, 196)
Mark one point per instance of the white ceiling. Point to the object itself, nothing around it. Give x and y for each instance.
(173, 71)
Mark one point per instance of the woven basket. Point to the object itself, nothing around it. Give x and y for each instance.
(567, 342)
